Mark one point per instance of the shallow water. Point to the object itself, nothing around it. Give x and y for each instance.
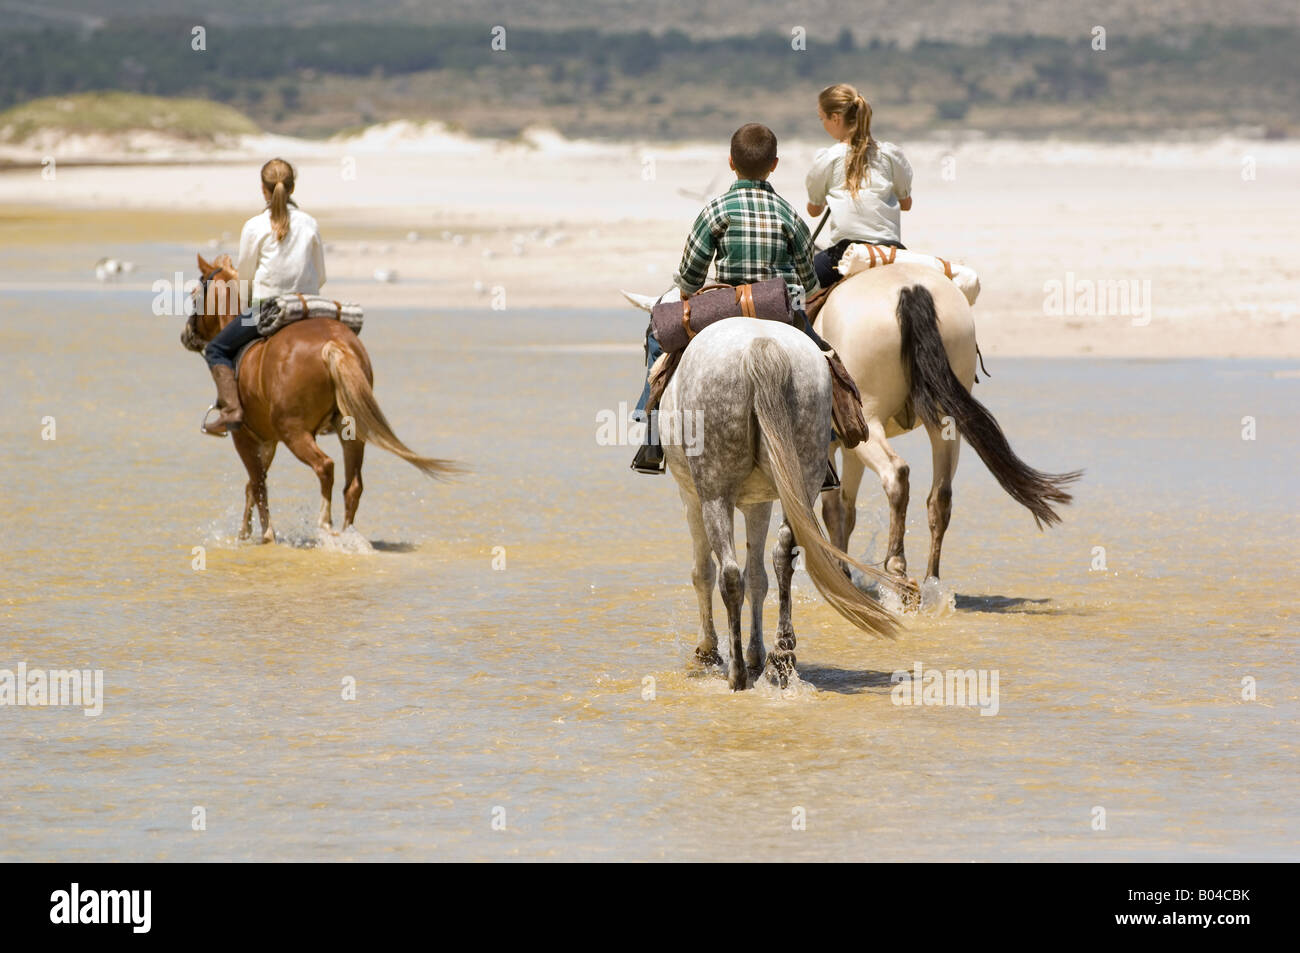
(516, 694)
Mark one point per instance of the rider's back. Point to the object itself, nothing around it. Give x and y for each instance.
(288, 265)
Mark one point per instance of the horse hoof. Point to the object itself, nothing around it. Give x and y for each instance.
(736, 678)
(708, 658)
(780, 667)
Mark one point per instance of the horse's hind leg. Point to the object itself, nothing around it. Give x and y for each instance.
(893, 472)
(702, 577)
(757, 518)
(782, 657)
(840, 507)
(719, 523)
(303, 446)
(354, 452)
(939, 503)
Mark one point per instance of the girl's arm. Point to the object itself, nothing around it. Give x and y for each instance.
(902, 175)
(247, 264)
(318, 256)
(818, 182)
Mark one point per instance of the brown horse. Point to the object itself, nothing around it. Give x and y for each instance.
(311, 377)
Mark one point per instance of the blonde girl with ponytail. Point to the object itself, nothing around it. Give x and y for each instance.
(280, 252)
(865, 183)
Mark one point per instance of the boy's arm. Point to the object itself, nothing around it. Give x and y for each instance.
(802, 250)
(697, 256)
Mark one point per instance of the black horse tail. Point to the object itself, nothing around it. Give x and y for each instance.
(936, 393)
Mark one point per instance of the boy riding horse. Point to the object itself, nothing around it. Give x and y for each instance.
(754, 234)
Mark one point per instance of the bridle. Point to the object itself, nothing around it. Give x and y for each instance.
(204, 281)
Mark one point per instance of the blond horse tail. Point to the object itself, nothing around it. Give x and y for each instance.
(768, 367)
(355, 399)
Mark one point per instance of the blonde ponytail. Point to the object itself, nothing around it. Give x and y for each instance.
(843, 99)
(277, 179)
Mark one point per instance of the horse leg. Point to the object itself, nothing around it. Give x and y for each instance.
(782, 657)
(757, 518)
(719, 523)
(354, 452)
(303, 446)
(833, 504)
(840, 507)
(893, 472)
(939, 503)
(266, 453)
(255, 490)
(702, 577)
(850, 484)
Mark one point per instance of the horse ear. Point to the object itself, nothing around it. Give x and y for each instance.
(204, 267)
(225, 261)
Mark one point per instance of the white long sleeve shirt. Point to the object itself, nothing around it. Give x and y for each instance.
(873, 215)
(276, 267)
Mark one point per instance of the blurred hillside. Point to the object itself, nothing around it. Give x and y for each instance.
(330, 71)
(957, 21)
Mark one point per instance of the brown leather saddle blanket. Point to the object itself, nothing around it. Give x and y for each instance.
(675, 324)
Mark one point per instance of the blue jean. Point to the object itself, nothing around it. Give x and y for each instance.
(652, 352)
(223, 348)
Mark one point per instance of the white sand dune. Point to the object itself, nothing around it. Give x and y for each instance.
(1205, 228)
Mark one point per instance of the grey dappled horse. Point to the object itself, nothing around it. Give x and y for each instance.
(755, 396)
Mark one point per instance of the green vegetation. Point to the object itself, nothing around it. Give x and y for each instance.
(315, 79)
(114, 112)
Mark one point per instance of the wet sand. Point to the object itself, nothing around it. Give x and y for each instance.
(517, 694)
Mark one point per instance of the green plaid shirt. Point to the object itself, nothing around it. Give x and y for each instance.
(755, 234)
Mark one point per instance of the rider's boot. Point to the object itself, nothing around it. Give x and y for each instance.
(231, 414)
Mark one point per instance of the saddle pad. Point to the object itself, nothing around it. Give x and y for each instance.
(239, 355)
(860, 257)
(676, 322)
(285, 309)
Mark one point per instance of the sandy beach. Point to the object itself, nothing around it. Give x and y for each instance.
(1199, 236)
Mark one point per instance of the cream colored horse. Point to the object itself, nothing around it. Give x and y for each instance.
(907, 335)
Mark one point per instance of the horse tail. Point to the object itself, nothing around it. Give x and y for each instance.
(356, 399)
(935, 393)
(768, 366)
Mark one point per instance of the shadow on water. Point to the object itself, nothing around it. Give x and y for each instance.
(387, 546)
(845, 681)
(998, 603)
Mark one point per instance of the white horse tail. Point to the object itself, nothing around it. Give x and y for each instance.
(936, 392)
(768, 366)
(355, 399)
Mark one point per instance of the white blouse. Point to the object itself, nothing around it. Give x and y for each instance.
(874, 214)
(276, 267)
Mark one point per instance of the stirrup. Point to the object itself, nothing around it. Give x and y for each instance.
(203, 427)
(831, 481)
(643, 466)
